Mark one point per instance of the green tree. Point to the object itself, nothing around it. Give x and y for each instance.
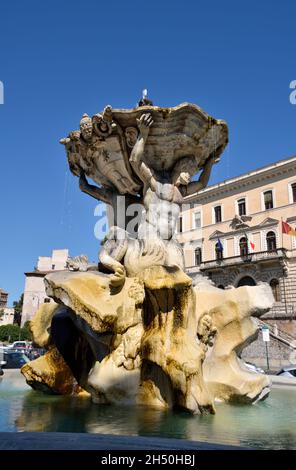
(13, 333)
(18, 307)
(9, 333)
(26, 334)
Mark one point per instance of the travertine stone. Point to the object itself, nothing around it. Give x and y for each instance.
(163, 334)
(50, 373)
(89, 295)
(40, 324)
(170, 343)
(231, 309)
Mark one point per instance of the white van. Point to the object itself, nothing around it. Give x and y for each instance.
(19, 345)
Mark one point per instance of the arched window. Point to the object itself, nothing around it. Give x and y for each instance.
(246, 281)
(197, 255)
(219, 251)
(275, 287)
(243, 247)
(271, 241)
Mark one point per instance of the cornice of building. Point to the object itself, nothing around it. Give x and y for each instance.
(37, 273)
(273, 211)
(241, 182)
(291, 219)
(269, 222)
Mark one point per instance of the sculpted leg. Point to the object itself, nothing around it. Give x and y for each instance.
(112, 254)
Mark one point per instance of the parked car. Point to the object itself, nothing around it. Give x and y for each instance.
(254, 368)
(251, 366)
(19, 345)
(13, 359)
(289, 371)
(2, 362)
(34, 353)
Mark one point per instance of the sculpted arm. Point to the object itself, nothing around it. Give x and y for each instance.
(136, 158)
(203, 180)
(94, 191)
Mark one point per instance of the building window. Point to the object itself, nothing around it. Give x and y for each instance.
(293, 189)
(197, 219)
(246, 281)
(46, 300)
(275, 287)
(180, 224)
(268, 200)
(197, 256)
(241, 204)
(221, 286)
(218, 214)
(271, 241)
(53, 266)
(243, 247)
(219, 252)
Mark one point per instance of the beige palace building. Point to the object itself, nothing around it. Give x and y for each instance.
(34, 293)
(243, 215)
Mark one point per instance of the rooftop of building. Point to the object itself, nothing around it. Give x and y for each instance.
(248, 175)
(39, 273)
(47, 264)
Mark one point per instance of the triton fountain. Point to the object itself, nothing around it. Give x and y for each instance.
(136, 329)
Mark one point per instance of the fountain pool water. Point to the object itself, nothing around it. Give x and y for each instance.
(267, 425)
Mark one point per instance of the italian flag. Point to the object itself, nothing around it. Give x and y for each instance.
(287, 229)
(252, 245)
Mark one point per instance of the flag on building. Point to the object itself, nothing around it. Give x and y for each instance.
(219, 245)
(249, 242)
(287, 229)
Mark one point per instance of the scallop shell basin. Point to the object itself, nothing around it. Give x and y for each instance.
(182, 131)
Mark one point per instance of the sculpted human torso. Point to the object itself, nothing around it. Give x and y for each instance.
(164, 193)
(162, 209)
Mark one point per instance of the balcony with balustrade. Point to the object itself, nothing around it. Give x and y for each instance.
(247, 258)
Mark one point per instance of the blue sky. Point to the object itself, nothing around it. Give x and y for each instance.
(59, 59)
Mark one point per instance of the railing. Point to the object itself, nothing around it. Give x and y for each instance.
(278, 334)
(248, 258)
